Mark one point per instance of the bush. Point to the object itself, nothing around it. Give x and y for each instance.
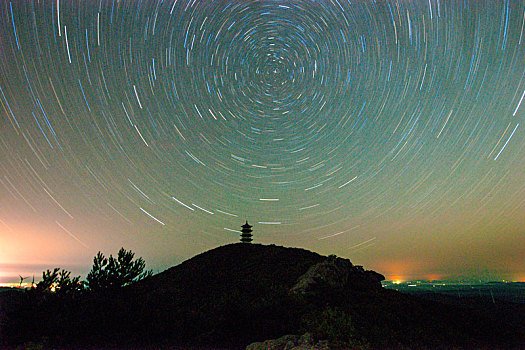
(331, 324)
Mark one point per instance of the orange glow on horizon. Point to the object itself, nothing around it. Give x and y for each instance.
(433, 277)
(396, 279)
(398, 270)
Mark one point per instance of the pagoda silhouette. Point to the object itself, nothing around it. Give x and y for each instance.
(246, 233)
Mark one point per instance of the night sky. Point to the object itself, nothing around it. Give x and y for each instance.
(387, 132)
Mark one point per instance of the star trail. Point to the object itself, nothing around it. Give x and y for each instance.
(388, 132)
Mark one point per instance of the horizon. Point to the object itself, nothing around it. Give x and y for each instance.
(12, 277)
(389, 133)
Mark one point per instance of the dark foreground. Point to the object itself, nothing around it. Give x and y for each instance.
(239, 294)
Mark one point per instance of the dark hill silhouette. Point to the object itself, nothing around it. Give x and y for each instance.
(229, 295)
(234, 266)
(239, 294)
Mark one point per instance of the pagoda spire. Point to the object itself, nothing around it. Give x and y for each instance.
(246, 233)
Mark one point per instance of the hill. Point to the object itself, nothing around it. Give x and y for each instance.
(230, 295)
(239, 294)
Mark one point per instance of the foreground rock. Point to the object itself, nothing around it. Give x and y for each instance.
(290, 342)
(303, 342)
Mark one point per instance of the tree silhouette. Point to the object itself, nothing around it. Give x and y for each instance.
(59, 281)
(68, 285)
(113, 273)
(49, 280)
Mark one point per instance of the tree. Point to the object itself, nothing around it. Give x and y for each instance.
(114, 273)
(59, 281)
(68, 285)
(49, 280)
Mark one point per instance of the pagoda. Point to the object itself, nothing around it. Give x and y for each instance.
(246, 233)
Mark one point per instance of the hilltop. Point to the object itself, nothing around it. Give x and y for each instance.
(239, 294)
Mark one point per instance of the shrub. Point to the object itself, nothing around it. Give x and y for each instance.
(331, 324)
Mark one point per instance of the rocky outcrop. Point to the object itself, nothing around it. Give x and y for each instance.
(332, 279)
(336, 274)
(291, 342)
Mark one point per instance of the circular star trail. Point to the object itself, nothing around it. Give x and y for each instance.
(388, 132)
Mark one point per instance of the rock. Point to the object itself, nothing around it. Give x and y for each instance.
(336, 274)
(286, 342)
(374, 276)
(306, 339)
(291, 342)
